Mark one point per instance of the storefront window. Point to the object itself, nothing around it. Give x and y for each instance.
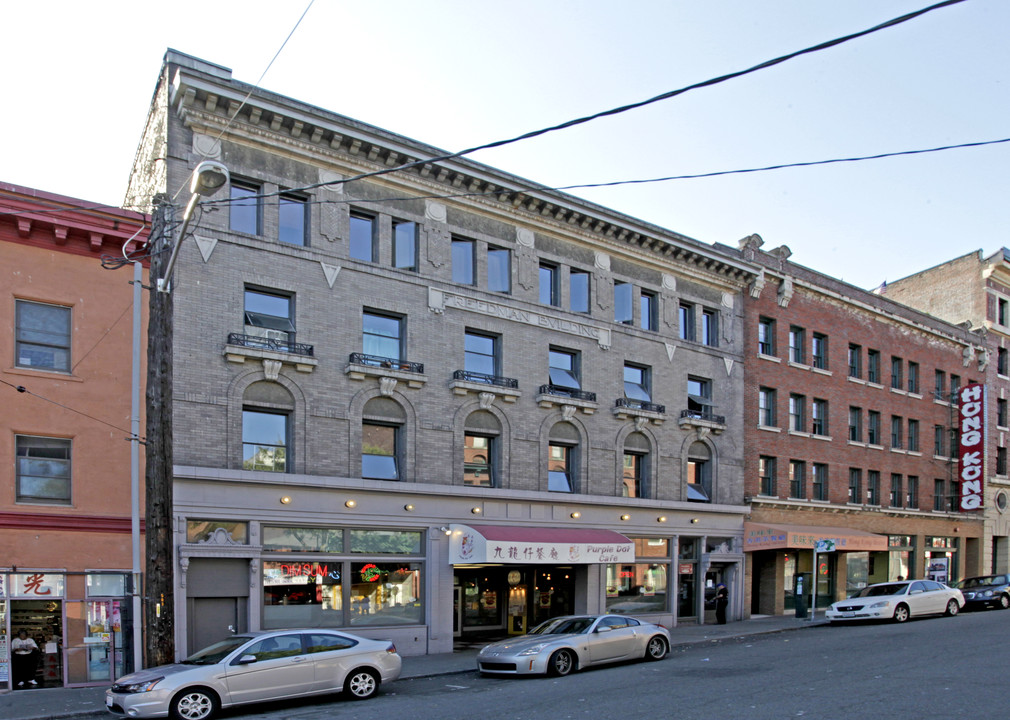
(385, 594)
(385, 541)
(941, 559)
(303, 539)
(687, 578)
(202, 531)
(636, 588)
(482, 600)
(106, 585)
(857, 572)
(302, 594)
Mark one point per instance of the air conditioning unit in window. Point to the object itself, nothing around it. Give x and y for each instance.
(275, 337)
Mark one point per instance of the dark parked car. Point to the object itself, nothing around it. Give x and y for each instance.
(986, 591)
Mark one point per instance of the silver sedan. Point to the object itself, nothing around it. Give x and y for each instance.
(256, 667)
(898, 601)
(564, 644)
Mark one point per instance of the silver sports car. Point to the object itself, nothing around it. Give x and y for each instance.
(564, 644)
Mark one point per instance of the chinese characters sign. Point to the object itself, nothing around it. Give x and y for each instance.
(36, 585)
(972, 432)
(521, 546)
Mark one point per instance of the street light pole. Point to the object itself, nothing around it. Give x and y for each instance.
(138, 630)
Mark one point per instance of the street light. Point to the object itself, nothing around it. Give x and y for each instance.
(209, 177)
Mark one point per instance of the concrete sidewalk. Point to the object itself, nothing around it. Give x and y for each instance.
(50, 703)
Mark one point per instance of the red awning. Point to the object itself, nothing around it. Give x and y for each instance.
(517, 544)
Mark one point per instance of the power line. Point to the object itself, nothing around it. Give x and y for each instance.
(23, 389)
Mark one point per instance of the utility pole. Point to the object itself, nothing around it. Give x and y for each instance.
(159, 595)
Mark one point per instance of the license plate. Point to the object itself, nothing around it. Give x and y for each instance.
(108, 700)
(848, 614)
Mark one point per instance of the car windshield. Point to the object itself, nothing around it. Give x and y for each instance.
(878, 590)
(217, 652)
(562, 626)
(983, 581)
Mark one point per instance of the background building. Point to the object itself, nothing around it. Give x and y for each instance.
(851, 405)
(65, 513)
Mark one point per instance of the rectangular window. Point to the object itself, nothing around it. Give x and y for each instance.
(559, 468)
(896, 431)
(855, 361)
(913, 435)
(940, 385)
(912, 492)
(1001, 461)
(873, 427)
(1002, 361)
(564, 369)
(797, 479)
(636, 383)
(856, 424)
(797, 413)
(43, 470)
(42, 336)
(549, 286)
(855, 485)
(648, 318)
(269, 316)
(797, 345)
(699, 396)
(896, 375)
(1002, 311)
(913, 377)
(939, 499)
(939, 433)
(766, 407)
(381, 336)
(478, 460)
(873, 366)
(265, 441)
(686, 317)
(819, 417)
(480, 355)
(1001, 414)
(379, 451)
(404, 245)
(463, 261)
(632, 476)
(623, 302)
(820, 481)
(292, 220)
(499, 270)
(710, 328)
(873, 487)
(362, 244)
(819, 351)
(766, 471)
(897, 493)
(955, 386)
(578, 291)
(244, 208)
(766, 336)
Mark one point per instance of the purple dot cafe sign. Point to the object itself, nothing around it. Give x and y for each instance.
(972, 434)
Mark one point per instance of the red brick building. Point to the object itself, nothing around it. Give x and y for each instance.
(65, 483)
(974, 289)
(848, 430)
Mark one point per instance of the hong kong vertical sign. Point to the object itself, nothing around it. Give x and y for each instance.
(972, 436)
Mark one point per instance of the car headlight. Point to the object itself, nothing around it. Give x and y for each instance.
(534, 649)
(881, 604)
(146, 686)
(987, 593)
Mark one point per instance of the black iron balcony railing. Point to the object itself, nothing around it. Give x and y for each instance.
(640, 405)
(264, 343)
(385, 362)
(703, 415)
(476, 377)
(567, 392)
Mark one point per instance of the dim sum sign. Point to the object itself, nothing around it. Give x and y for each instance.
(972, 441)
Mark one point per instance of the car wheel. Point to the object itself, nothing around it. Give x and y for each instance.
(901, 613)
(361, 684)
(952, 608)
(194, 704)
(656, 649)
(1004, 602)
(561, 663)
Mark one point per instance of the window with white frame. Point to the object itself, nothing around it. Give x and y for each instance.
(43, 470)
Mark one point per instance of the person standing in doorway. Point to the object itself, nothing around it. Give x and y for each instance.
(24, 659)
(721, 601)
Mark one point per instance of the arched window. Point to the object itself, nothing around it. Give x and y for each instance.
(563, 458)
(481, 450)
(635, 474)
(382, 439)
(699, 473)
(266, 428)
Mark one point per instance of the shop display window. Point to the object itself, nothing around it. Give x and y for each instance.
(385, 594)
(302, 594)
(303, 539)
(637, 588)
(385, 541)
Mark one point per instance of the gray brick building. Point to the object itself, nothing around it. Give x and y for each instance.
(437, 402)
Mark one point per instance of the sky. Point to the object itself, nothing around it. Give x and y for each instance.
(77, 82)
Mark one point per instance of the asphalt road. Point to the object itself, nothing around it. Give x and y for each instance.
(924, 669)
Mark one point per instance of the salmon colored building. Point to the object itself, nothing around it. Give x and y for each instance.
(66, 353)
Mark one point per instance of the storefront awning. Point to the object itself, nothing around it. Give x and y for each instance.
(517, 545)
(762, 536)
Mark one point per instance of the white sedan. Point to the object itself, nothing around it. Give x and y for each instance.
(898, 601)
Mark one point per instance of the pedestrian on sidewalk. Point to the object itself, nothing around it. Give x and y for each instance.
(24, 659)
(721, 601)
